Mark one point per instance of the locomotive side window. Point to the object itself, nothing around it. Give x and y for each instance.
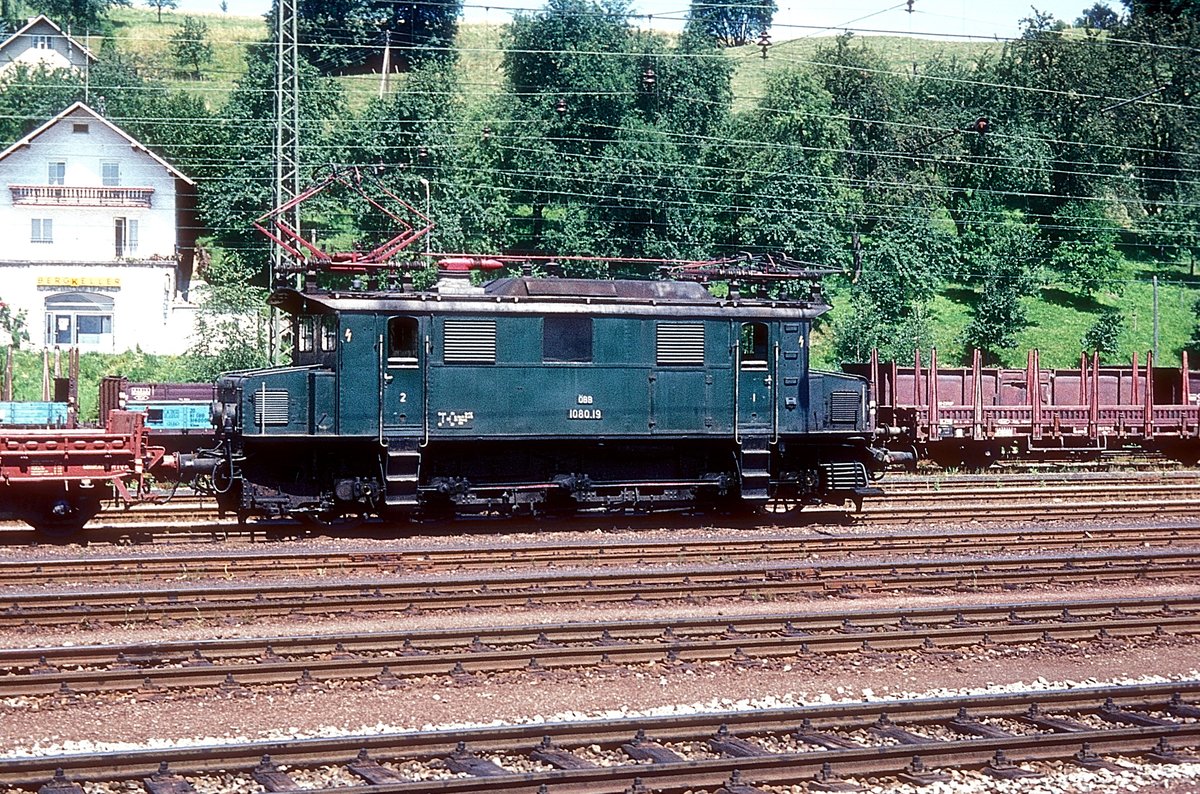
(753, 341)
(567, 339)
(679, 345)
(402, 342)
(329, 333)
(304, 334)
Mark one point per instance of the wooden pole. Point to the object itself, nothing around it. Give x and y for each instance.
(9, 355)
(45, 376)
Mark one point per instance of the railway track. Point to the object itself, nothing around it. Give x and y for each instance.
(909, 498)
(737, 750)
(514, 589)
(597, 553)
(384, 658)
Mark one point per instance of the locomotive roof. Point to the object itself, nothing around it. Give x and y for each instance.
(552, 295)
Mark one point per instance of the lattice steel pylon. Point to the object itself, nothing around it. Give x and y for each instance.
(284, 268)
(287, 131)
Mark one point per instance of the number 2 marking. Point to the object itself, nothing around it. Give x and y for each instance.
(403, 396)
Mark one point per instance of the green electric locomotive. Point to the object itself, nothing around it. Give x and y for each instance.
(536, 395)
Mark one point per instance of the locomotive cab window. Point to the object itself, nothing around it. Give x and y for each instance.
(754, 346)
(329, 333)
(567, 339)
(304, 334)
(402, 339)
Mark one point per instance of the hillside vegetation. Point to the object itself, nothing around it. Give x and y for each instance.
(1043, 227)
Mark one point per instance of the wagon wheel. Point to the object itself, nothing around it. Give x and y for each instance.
(61, 517)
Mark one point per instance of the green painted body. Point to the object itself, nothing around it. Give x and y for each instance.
(621, 393)
(609, 393)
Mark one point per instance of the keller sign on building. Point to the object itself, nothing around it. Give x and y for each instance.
(100, 238)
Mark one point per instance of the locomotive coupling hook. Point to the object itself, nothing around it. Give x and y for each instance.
(891, 457)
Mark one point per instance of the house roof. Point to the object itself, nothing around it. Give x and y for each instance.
(84, 109)
(50, 22)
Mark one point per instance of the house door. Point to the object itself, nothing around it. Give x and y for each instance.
(63, 332)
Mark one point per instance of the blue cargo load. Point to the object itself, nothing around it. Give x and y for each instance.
(33, 414)
(175, 415)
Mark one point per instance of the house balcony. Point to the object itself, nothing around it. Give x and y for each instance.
(80, 196)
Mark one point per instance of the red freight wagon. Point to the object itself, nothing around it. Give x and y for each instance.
(972, 416)
(57, 479)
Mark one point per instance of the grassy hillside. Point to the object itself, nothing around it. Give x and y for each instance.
(139, 33)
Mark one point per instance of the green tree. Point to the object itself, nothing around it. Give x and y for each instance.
(571, 88)
(345, 35)
(335, 35)
(773, 174)
(733, 24)
(191, 47)
(1104, 335)
(78, 14)
(1084, 255)
(1000, 254)
(1099, 16)
(239, 173)
(159, 5)
(232, 325)
(1193, 345)
(421, 31)
(12, 326)
(1163, 8)
(31, 95)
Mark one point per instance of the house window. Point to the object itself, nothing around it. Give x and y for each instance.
(41, 230)
(110, 174)
(79, 129)
(79, 318)
(41, 42)
(56, 172)
(567, 338)
(125, 236)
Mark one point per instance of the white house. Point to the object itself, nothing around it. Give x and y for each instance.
(99, 236)
(42, 43)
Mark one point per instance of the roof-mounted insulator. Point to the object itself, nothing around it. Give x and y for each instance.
(764, 42)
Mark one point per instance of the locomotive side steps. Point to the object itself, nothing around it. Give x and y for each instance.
(403, 472)
(756, 467)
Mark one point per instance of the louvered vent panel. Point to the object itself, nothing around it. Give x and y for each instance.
(470, 342)
(270, 407)
(680, 345)
(843, 407)
(844, 475)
